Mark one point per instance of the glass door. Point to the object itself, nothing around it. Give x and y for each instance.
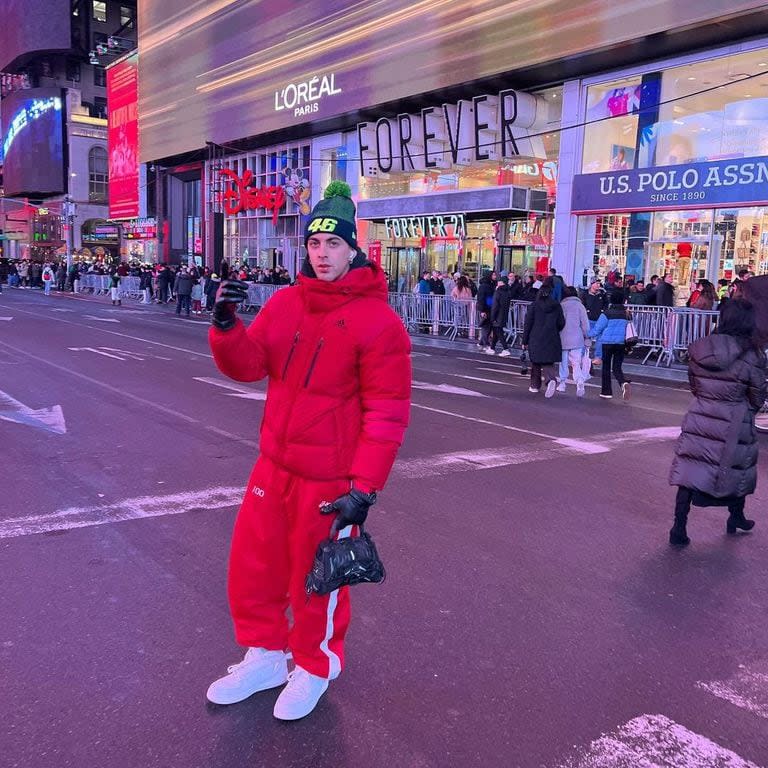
(403, 267)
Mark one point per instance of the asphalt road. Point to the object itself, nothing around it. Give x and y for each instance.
(533, 615)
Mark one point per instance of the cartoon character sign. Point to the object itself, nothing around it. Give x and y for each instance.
(297, 188)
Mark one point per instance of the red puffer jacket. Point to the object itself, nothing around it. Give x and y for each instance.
(339, 368)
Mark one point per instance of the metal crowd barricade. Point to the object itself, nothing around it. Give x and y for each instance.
(259, 294)
(516, 321)
(651, 325)
(129, 288)
(689, 325)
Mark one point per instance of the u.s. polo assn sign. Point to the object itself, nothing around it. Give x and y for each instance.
(738, 181)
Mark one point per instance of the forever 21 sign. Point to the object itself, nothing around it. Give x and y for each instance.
(483, 128)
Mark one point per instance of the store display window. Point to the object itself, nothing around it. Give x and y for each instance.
(707, 110)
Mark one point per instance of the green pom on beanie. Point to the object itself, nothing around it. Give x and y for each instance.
(337, 189)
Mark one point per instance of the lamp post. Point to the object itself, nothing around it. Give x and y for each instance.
(68, 212)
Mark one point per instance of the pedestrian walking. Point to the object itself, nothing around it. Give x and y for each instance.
(48, 278)
(595, 302)
(541, 337)
(338, 362)
(572, 339)
(182, 287)
(484, 300)
(610, 331)
(114, 288)
(715, 460)
(502, 298)
(197, 298)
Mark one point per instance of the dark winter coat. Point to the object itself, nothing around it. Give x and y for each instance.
(183, 284)
(485, 295)
(543, 322)
(500, 307)
(594, 303)
(665, 294)
(716, 452)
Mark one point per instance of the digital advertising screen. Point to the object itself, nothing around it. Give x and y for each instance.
(217, 70)
(123, 138)
(29, 26)
(32, 136)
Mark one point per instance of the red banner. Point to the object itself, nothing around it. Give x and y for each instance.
(123, 138)
(374, 252)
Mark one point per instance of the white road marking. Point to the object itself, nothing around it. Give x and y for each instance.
(446, 388)
(50, 419)
(6, 318)
(59, 309)
(95, 351)
(237, 390)
(747, 689)
(128, 353)
(123, 395)
(655, 741)
(101, 319)
(129, 509)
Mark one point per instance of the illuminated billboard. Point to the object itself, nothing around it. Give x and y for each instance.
(33, 143)
(123, 138)
(214, 70)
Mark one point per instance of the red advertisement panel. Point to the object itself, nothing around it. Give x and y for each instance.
(123, 138)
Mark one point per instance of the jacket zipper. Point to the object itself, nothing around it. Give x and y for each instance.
(290, 354)
(314, 360)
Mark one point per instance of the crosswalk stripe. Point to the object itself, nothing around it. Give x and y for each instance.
(747, 689)
(655, 741)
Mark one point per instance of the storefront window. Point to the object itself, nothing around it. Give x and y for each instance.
(707, 110)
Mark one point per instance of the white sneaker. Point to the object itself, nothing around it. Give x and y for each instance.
(533, 390)
(561, 386)
(300, 696)
(551, 387)
(260, 670)
(579, 390)
(505, 353)
(489, 351)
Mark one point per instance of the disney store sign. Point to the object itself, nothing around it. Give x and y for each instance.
(741, 181)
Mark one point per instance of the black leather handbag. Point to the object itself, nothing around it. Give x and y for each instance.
(344, 562)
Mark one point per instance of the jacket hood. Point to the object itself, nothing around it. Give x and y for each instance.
(548, 304)
(716, 352)
(364, 279)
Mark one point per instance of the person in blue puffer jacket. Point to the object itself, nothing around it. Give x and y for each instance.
(611, 331)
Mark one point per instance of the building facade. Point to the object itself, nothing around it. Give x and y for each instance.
(470, 155)
(53, 125)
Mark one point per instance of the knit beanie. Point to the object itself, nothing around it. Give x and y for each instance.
(334, 215)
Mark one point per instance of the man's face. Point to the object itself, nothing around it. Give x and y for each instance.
(594, 288)
(668, 279)
(329, 256)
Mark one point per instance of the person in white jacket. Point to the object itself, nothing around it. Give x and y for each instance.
(572, 339)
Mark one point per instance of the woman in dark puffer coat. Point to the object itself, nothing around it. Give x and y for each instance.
(715, 460)
(541, 337)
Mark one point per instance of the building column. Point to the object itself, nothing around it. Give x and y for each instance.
(569, 164)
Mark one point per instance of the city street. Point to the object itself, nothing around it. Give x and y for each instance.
(534, 615)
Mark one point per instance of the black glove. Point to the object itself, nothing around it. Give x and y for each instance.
(351, 508)
(229, 295)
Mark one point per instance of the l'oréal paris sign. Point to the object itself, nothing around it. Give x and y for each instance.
(743, 181)
(304, 98)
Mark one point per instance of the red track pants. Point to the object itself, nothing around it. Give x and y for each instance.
(276, 535)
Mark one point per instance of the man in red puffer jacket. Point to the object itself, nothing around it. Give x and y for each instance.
(338, 362)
